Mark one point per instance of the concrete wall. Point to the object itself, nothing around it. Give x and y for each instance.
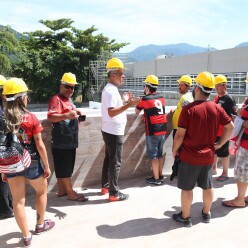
(222, 61)
(90, 153)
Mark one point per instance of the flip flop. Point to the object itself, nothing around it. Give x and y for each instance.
(222, 178)
(80, 198)
(231, 204)
(61, 195)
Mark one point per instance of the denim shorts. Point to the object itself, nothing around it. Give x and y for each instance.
(154, 146)
(34, 171)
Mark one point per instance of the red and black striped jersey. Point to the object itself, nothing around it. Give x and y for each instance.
(244, 116)
(154, 113)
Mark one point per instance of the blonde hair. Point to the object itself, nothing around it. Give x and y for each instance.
(13, 112)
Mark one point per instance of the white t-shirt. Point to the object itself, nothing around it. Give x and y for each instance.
(111, 99)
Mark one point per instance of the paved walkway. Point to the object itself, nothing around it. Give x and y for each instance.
(142, 221)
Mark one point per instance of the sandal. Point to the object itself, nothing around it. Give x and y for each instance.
(80, 198)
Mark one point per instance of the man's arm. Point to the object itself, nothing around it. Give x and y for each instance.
(60, 117)
(225, 135)
(112, 112)
(178, 140)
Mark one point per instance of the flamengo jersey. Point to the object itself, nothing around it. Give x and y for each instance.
(244, 116)
(154, 112)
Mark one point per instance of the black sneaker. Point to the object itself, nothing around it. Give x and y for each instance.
(152, 180)
(161, 179)
(119, 197)
(206, 217)
(178, 218)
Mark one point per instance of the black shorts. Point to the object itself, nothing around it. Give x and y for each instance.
(190, 175)
(64, 160)
(222, 152)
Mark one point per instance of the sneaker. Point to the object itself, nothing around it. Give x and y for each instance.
(152, 180)
(48, 225)
(161, 179)
(178, 218)
(119, 197)
(206, 217)
(104, 191)
(27, 241)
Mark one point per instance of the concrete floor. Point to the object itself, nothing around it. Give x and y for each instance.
(142, 221)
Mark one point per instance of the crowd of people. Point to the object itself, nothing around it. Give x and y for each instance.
(201, 132)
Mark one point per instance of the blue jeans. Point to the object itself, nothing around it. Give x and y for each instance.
(154, 146)
(112, 161)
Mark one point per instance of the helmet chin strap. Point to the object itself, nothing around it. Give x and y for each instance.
(200, 86)
(9, 99)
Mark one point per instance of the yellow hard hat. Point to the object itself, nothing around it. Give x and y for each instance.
(14, 86)
(69, 78)
(205, 79)
(185, 79)
(246, 80)
(220, 79)
(152, 80)
(114, 63)
(2, 80)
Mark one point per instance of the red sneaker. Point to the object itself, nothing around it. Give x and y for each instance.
(104, 191)
(119, 197)
(48, 225)
(27, 241)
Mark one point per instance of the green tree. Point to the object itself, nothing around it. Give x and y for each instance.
(8, 50)
(46, 55)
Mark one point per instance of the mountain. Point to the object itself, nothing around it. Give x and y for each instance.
(150, 52)
(242, 44)
(17, 34)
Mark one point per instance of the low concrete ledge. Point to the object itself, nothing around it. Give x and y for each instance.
(90, 153)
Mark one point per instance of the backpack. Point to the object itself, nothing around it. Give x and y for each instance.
(14, 157)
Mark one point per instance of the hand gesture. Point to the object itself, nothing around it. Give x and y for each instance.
(127, 96)
(134, 101)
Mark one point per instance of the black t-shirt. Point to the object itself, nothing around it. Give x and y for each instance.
(228, 103)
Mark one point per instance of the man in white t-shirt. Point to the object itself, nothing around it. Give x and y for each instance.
(114, 121)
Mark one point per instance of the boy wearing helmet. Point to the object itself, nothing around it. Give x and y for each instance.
(228, 103)
(153, 105)
(197, 128)
(114, 120)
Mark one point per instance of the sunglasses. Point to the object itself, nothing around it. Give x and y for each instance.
(69, 87)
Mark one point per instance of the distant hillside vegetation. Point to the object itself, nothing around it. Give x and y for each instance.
(17, 34)
(242, 44)
(150, 52)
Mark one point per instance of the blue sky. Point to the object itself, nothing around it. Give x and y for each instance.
(216, 23)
